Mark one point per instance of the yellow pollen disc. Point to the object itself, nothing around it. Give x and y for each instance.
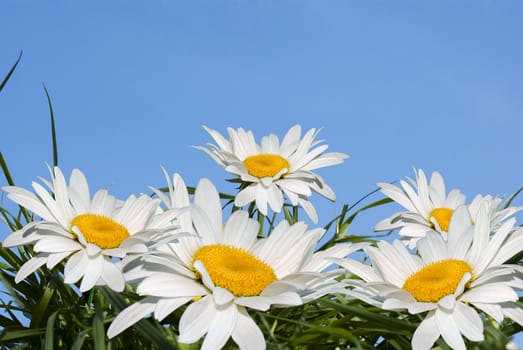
(264, 165)
(436, 280)
(235, 269)
(442, 216)
(100, 230)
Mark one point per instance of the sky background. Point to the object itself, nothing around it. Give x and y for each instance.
(436, 85)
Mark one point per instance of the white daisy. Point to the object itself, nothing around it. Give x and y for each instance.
(274, 168)
(497, 208)
(226, 270)
(429, 207)
(455, 281)
(93, 233)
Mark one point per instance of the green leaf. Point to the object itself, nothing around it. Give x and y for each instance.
(19, 334)
(377, 319)
(53, 128)
(49, 331)
(509, 200)
(10, 71)
(40, 309)
(80, 339)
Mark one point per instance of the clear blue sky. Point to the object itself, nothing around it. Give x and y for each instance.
(436, 85)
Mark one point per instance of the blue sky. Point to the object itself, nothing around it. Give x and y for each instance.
(435, 85)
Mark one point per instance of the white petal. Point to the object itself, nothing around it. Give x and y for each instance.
(170, 286)
(92, 273)
(57, 244)
(432, 248)
(240, 231)
(222, 296)
(246, 333)
(257, 302)
(204, 227)
(52, 205)
(309, 210)
(55, 258)
(514, 312)
(61, 195)
(261, 199)
(468, 322)
(426, 334)
(112, 276)
(323, 259)
(206, 197)
(30, 266)
(397, 195)
(194, 322)
(490, 293)
(206, 278)
(75, 267)
(399, 300)
(79, 194)
(245, 196)
(275, 198)
(221, 327)
(449, 330)
(365, 272)
(167, 305)
(493, 310)
(130, 315)
(448, 302)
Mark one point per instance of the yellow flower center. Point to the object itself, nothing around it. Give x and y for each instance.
(442, 216)
(235, 269)
(264, 165)
(436, 280)
(100, 230)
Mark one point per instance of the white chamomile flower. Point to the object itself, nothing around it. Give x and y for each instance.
(273, 168)
(92, 233)
(498, 210)
(428, 207)
(225, 270)
(454, 281)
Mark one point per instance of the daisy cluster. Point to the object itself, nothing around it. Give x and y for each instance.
(458, 270)
(455, 263)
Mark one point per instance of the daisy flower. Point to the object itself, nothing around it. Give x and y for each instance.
(428, 207)
(92, 233)
(456, 280)
(274, 168)
(225, 270)
(498, 210)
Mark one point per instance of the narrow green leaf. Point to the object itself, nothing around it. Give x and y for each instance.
(378, 319)
(40, 309)
(5, 169)
(19, 334)
(337, 332)
(10, 71)
(509, 200)
(49, 331)
(80, 339)
(53, 129)
(10, 181)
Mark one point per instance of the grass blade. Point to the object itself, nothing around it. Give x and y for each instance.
(53, 128)
(11, 71)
